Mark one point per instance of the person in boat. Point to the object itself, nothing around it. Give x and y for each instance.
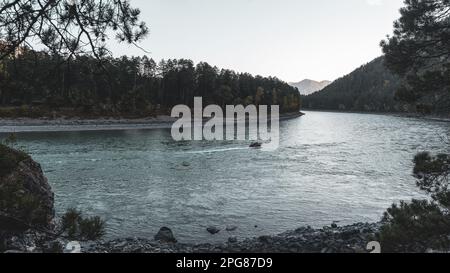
(256, 145)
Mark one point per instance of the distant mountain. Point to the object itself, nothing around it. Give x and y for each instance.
(371, 87)
(307, 87)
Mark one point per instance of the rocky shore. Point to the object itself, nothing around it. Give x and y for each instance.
(333, 239)
(78, 124)
(347, 239)
(8, 125)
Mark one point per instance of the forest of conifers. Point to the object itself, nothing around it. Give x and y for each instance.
(34, 84)
(371, 87)
(374, 88)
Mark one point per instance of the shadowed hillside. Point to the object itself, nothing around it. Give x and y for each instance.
(371, 87)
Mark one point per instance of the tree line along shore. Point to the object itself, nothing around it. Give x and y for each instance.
(37, 84)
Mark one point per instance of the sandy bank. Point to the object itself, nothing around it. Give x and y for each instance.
(98, 124)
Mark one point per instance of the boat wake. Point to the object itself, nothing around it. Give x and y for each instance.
(217, 150)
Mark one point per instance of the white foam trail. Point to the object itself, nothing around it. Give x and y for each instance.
(217, 150)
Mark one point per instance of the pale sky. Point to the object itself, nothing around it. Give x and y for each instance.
(289, 39)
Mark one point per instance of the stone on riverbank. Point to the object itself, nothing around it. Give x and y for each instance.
(213, 230)
(231, 228)
(165, 235)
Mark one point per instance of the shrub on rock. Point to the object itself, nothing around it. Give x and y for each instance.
(83, 229)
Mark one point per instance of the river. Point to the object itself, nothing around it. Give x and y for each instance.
(329, 167)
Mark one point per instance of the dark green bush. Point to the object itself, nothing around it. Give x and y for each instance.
(432, 175)
(82, 229)
(415, 227)
(92, 228)
(69, 222)
(421, 225)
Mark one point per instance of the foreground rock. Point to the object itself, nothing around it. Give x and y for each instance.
(349, 239)
(26, 199)
(26, 196)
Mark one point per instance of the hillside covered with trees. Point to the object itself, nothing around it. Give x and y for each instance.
(371, 87)
(374, 87)
(36, 84)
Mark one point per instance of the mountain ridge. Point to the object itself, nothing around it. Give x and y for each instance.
(308, 86)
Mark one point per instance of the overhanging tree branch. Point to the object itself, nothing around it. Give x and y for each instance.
(68, 27)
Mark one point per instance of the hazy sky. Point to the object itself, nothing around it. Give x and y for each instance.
(290, 39)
